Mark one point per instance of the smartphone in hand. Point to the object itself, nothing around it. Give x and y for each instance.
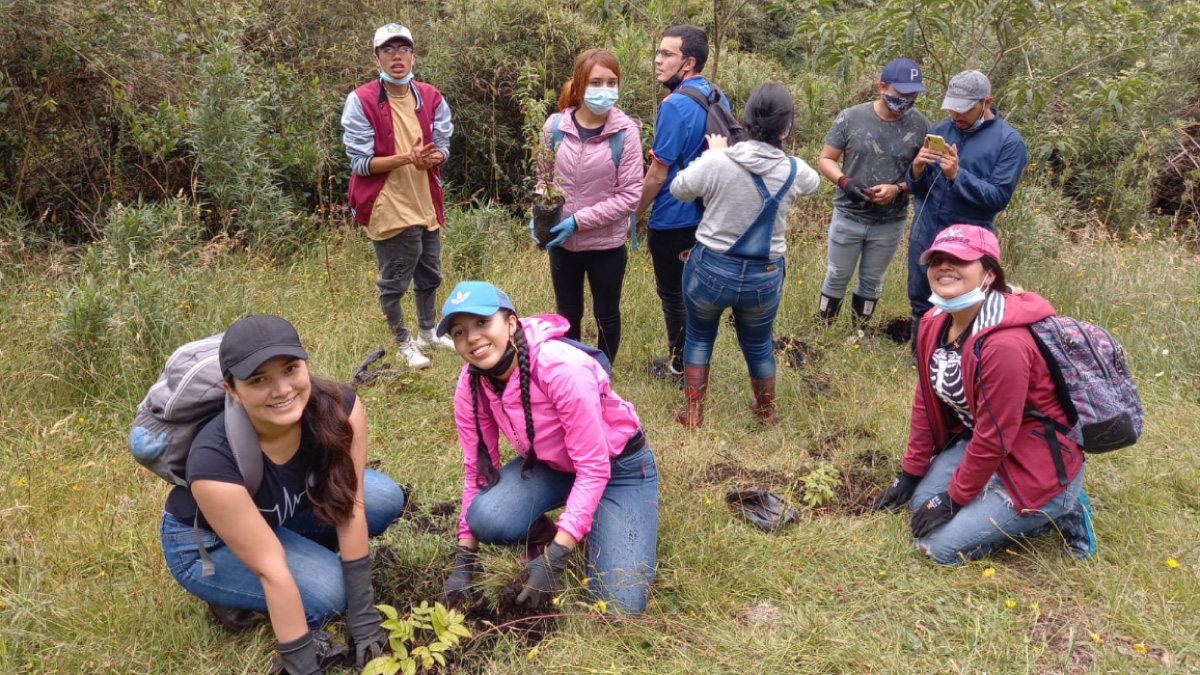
(935, 143)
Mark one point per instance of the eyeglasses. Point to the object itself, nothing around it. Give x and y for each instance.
(665, 54)
(403, 50)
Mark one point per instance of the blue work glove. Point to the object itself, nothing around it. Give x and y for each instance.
(561, 231)
(532, 235)
(933, 514)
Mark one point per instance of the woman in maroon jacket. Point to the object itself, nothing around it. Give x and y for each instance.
(978, 472)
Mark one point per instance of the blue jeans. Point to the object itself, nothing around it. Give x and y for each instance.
(990, 521)
(316, 569)
(870, 247)
(621, 544)
(712, 282)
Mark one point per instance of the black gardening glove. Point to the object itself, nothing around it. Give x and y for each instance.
(455, 591)
(855, 190)
(545, 572)
(367, 639)
(897, 496)
(299, 656)
(933, 514)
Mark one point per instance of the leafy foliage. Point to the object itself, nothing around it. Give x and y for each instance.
(419, 640)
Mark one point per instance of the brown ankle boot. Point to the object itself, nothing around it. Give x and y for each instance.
(695, 386)
(764, 400)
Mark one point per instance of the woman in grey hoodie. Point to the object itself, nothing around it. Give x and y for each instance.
(738, 260)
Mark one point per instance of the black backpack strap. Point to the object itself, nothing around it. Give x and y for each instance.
(1052, 427)
(704, 101)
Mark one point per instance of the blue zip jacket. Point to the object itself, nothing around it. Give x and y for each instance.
(990, 162)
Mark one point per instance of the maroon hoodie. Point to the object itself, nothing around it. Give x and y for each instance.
(1008, 374)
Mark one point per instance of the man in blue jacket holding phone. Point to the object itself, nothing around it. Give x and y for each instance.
(969, 183)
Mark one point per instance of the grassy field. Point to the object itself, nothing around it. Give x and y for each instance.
(83, 587)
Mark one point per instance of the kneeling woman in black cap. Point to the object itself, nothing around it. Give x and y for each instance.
(271, 551)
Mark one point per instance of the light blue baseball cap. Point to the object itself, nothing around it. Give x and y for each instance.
(473, 297)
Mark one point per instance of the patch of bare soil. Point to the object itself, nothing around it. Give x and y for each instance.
(441, 519)
(795, 353)
(1064, 635)
(898, 330)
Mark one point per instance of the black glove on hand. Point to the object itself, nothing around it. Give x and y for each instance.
(855, 190)
(897, 496)
(454, 591)
(299, 656)
(933, 514)
(544, 574)
(367, 638)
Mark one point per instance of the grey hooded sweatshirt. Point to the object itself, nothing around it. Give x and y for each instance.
(731, 202)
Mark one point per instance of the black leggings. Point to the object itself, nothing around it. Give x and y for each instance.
(666, 250)
(605, 271)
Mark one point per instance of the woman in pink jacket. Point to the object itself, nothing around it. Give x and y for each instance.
(578, 444)
(598, 164)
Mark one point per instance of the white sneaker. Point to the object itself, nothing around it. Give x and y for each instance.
(412, 355)
(427, 340)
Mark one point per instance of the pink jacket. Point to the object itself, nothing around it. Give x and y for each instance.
(579, 422)
(600, 195)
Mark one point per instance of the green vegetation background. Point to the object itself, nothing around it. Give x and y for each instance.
(168, 167)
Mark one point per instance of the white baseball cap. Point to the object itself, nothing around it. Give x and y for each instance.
(392, 31)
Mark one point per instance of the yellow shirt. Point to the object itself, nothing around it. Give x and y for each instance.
(404, 200)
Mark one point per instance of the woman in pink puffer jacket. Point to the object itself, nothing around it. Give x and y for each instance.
(598, 164)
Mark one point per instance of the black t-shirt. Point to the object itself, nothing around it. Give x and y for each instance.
(283, 492)
(585, 133)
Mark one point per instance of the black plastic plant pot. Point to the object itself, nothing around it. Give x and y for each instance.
(546, 216)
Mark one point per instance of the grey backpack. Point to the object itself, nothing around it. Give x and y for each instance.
(188, 395)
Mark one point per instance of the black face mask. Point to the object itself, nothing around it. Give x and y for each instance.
(675, 80)
(500, 368)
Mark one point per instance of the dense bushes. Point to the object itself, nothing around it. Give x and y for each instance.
(235, 104)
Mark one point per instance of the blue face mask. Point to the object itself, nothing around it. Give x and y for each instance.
(600, 99)
(968, 299)
(978, 121)
(391, 80)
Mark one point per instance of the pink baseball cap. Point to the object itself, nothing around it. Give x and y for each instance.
(965, 242)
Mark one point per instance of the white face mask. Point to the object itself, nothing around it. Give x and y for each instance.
(600, 99)
(969, 299)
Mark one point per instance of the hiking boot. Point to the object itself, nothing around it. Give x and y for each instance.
(427, 340)
(411, 353)
(540, 534)
(764, 400)
(828, 309)
(695, 387)
(863, 309)
(236, 620)
(1076, 528)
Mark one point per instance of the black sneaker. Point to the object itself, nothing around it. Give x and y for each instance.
(236, 620)
(663, 369)
(328, 654)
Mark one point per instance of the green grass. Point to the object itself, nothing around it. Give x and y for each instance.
(83, 587)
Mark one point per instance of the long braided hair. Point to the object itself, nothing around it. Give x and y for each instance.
(487, 474)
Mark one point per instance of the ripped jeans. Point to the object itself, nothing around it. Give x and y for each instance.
(990, 521)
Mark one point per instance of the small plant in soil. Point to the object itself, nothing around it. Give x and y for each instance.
(820, 485)
(419, 640)
(548, 195)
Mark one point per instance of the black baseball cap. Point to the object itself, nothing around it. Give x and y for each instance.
(256, 339)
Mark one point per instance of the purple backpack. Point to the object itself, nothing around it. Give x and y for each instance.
(1093, 384)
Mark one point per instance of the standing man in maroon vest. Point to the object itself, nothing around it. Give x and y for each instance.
(397, 131)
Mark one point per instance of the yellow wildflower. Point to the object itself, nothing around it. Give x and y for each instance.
(1140, 647)
(1010, 603)
(989, 573)
(1173, 563)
